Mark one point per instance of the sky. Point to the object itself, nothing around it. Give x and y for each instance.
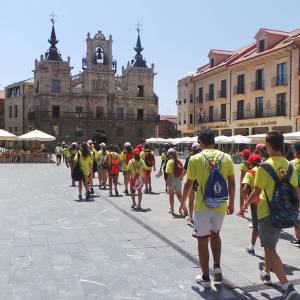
(177, 35)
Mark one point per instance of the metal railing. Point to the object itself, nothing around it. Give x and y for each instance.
(222, 94)
(279, 80)
(209, 97)
(260, 113)
(49, 115)
(258, 85)
(239, 89)
(211, 118)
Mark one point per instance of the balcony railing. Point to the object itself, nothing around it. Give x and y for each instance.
(260, 113)
(199, 99)
(258, 85)
(211, 118)
(222, 94)
(48, 115)
(239, 89)
(209, 97)
(279, 80)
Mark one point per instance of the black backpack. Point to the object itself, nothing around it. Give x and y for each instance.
(77, 174)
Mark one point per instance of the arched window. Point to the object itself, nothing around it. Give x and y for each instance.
(99, 55)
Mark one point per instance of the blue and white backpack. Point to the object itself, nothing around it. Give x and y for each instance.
(216, 191)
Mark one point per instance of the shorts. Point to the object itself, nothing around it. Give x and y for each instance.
(148, 172)
(133, 184)
(254, 217)
(58, 156)
(206, 222)
(174, 183)
(268, 234)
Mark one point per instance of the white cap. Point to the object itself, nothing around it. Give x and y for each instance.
(103, 145)
(127, 144)
(89, 142)
(196, 146)
(171, 150)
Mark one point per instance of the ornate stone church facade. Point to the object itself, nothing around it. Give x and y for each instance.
(94, 104)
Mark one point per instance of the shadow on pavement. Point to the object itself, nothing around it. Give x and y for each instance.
(143, 210)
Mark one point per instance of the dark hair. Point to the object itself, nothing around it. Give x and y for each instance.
(85, 150)
(206, 137)
(142, 141)
(275, 140)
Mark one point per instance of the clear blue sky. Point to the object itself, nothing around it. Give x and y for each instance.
(176, 34)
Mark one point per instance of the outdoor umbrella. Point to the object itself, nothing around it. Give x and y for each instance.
(295, 136)
(7, 136)
(239, 139)
(257, 138)
(37, 135)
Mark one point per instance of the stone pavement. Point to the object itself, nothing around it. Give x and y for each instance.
(54, 247)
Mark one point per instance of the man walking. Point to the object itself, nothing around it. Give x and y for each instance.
(213, 170)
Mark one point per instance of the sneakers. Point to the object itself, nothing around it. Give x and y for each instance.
(204, 281)
(265, 277)
(290, 293)
(240, 214)
(126, 192)
(87, 196)
(250, 225)
(117, 193)
(171, 212)
(250, 250)
(295, 243)
(189, 220)
(80, 197)
(150, 189)
(218, 277)
(92, 191)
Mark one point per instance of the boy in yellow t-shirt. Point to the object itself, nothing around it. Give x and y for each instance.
(136, 168)
(147, 155)
(207, 220)
(264, 186)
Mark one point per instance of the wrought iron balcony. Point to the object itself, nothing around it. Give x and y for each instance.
(211, 118)
(222, 94)
(258, 85)
(49, 115)
(260, 113)
(210, 97)
(239, 89)
(280, 80)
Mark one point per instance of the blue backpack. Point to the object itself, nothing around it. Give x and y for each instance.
(216, 191)
(284, 204)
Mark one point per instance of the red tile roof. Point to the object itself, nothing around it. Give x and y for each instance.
(170, 118)
(249, 51)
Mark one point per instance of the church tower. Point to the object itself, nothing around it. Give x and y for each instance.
(138, 76)
(98, 66)
(51, 73)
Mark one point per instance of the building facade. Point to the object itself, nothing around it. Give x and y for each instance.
(96, 103)
(2, 96)
(167, 127)
(248, 91)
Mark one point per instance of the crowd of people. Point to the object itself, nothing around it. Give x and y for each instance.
(269, 185)
(25, 156)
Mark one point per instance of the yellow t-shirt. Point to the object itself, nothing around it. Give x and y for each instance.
(170, 167)
(244, 167)
(296, 162)
(136, 168)
(249, 179)
(123, 161)
(100, 154)
(265, 182)
(85, 163)
(199, 169)
(143, 155)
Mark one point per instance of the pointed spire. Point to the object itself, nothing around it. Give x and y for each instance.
(52, 53)
(139, 61)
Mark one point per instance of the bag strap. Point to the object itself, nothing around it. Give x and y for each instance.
(269, 169)
(213, 165)
(289, 172)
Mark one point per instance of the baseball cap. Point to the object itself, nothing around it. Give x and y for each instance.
(260, 146)
(296, 146)
(195, 146)
(89, 142)
(206, 136)
(254, 158)
(136, 151)
(127, 144)
(171, 150)
(245, 153)
(74, 144)
(103, 145)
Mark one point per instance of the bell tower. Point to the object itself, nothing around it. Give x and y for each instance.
(98, 66)
(52, 73)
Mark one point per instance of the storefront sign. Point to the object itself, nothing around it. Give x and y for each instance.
(255, 124)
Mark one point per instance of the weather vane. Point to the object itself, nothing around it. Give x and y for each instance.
(53, 17)
(138, 27)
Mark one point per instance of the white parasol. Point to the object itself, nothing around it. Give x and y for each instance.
(7, 136)
(37, 135)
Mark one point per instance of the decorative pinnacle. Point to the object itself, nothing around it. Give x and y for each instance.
(53, 18)
(138, 27)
